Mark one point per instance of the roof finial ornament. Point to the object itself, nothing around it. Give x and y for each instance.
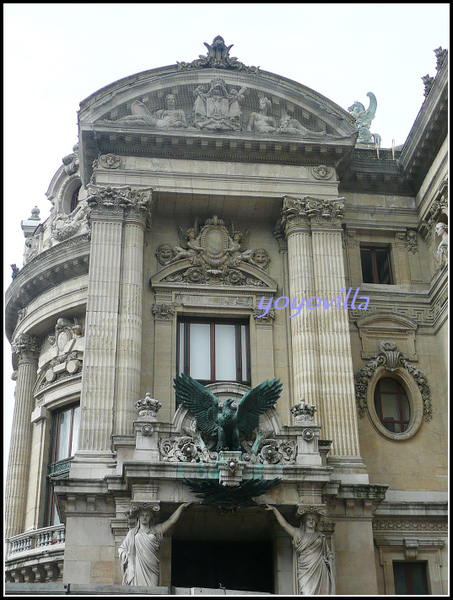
(218, 57)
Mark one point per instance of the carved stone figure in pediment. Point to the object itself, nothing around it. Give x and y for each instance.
(217, 108)
(261, 122)
(165, 118)
(292, 126)
(65, 226)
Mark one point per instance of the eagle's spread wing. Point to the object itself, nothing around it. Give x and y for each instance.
(200, 401)
(213, 492)
(255, 403)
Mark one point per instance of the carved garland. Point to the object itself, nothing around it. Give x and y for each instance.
(390, 358)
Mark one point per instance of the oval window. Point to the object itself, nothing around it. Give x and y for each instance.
(392, 405)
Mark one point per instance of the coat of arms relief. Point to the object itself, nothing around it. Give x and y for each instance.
(212, 254)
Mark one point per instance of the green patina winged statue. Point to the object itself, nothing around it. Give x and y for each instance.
(225, 422)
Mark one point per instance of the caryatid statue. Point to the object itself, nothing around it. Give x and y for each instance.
(314, 558)
(139, 550)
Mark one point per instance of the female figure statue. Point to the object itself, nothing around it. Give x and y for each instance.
(314, 559)
(138, 552)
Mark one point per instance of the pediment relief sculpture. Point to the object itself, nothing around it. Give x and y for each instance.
(212, 255)
(218, 106)
(164, 118)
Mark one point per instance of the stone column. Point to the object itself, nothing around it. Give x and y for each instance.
(101, 337)
(339, 413)
(27, 349)
(129, 359)
(304, 335)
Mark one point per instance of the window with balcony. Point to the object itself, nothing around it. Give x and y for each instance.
(214, 350)
(64, 444)
(376, 265)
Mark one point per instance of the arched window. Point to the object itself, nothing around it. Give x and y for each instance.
(392, 405)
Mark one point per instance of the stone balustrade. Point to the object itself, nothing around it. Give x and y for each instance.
(36, 556)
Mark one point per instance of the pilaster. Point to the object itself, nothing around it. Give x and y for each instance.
(26, 347)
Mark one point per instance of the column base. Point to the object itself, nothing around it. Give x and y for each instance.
(92, 464)
(348, 469)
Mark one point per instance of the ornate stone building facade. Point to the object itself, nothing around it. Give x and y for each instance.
(224, 222)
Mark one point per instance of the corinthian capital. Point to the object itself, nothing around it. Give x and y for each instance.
(108, 197)
(26, 347)
(308, 212)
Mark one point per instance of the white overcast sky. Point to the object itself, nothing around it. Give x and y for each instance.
(55, 55)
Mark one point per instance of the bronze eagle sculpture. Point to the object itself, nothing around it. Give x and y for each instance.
(225, 422)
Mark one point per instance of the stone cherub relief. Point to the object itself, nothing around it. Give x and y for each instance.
(215, 255)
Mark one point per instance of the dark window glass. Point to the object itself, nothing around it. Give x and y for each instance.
(214, 350)
(392, 405)
(64, 444)
(74, 199)
(410, 578)
(376, 266)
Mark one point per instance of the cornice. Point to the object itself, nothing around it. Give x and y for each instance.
(428, 132)
(50, 268)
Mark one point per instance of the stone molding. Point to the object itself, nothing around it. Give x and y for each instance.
(391, 359)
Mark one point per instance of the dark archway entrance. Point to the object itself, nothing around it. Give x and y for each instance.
(240, 565)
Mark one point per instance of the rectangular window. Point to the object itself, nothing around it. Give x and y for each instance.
(376, 265)
(214, 350)
(410, 578)
(64, 444)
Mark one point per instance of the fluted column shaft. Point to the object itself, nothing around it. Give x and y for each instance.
(101, 329)
(320, 337)
(304, 335)
(129, 357)
(27, 349)
(335, 358)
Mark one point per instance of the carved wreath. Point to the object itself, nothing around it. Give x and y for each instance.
(390, 358)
